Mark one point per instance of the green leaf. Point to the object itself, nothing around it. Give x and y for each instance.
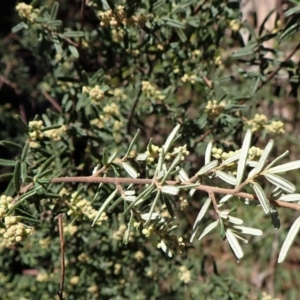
(105, 157)
(23, 170)
(293, 165)
(158, 195)
(290, 197)
(104, 205)
(173, 23)
(208, 229)
(199, 218)
(183, 176)
(21, 123)
(226, 177)
(7, 162)
(261, 197)
(132, 143)
(277, 159)
(54, 10)
(208, 167)
(248, 230)
(264, 157)
(171, 138)
(281, 182)
(73, 51)
(19, 27)
(289, 240)
(234, 244)
(243, 158)
(55, 23)
(130, 170)
(9, 144)
(73, 34)
(17, 176)
(170, 190)
(181, 34)
(45, 165)
(25, 151)
(208, 153)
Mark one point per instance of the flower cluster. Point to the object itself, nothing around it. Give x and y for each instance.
(150, 91)
(260, 122)
(235, 25)
(35, 130)
(184, 274)
(153, 153)
(5, 204)
(14, 231)
(96, 93)
(80, 207)
(26, 11)
(118, 16)
(56, 134)
(214, 109)
(189, 78)
(254, 153)
(275, 127)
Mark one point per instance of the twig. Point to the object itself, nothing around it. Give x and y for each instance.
(214, 201)
(62, 258)
(279, 67)
(51, 100)
(143, 181)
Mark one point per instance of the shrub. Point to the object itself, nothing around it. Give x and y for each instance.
(133, 128)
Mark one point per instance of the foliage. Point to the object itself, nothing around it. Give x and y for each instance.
(141, 126)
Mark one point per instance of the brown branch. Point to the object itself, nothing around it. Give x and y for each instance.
(143, 181)
(51, 100)
(62, 258)
(279, 67)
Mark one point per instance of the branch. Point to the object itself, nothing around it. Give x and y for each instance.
(143, 181)
(62, 258)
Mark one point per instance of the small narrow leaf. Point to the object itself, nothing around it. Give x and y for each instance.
(264, 157)
(132, 143)
(243, 158)
(281, 182)
(9, 144)
(183, 176)
(290, 197)
(226, 177)
(17, 176)
(104, 205)
(171, 190)
(261, 197)
(208, 167)
(232, 158)
(171, 138)
(199, 218)
(208, 229)
(293, 165)
(45, 165)
(208, 153)
(235, 220)
(289, 240)
(248, 230)
(234, 244)
(277, 159)
(130, 170)
(6, 162)
(225, 198)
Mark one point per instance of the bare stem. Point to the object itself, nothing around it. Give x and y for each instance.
(62, 258)
(143, 181)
